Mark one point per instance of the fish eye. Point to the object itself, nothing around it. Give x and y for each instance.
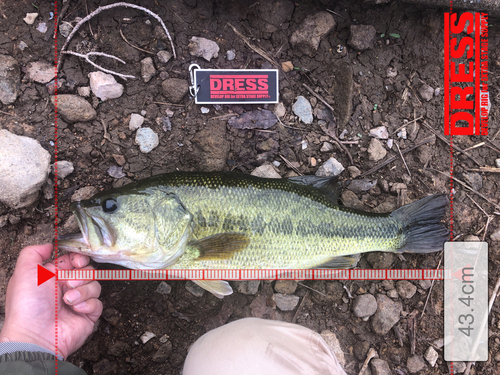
(109, 205)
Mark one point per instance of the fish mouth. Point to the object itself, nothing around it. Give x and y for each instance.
(103, 235)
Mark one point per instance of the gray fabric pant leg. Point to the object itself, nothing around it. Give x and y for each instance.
(258, 346)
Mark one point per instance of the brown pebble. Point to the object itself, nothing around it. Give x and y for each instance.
(120, 159)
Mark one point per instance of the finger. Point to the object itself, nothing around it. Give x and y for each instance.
(73, 284)
(92, 307)
(83, 293)
(72, 260)
(34, 254)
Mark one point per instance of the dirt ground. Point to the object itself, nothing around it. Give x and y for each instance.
(414, 50)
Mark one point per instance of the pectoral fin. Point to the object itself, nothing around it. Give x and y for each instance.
(218, 288)
(220, 246)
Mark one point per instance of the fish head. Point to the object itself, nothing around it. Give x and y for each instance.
(142, 229)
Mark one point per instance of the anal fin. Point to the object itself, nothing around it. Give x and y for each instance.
(218, 288)
(342, 262)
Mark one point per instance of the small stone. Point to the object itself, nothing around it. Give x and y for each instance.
(120, 159)
(71, 225)
(30, 18)
(497, 163)
(147, 69)
(362, 37)
(83, 193)
(387, 315)
(287, 66)
(65, 29)
(248, 287)
(425, 284)
(201, 47)
(332, 167)
(111, 315)
(265, 171)
(333, 342)
(64, 168)
(73, 108)
(426, 92)
(146, 336)
(380, 367)
(495, 236)
(303, 109)
(147, 140)
(42, 27)
(116, 172)
(24, 168)
(379, 132)
(194, 289)
(104, 86)
(415, 364)
(393, 293)
(405, 289)
(327, 147)
(285, 286)
(136, 121)
(230, 55)
(22, 45)
(351, 200)
(286, 302)
(379, 260)
(174, 89)
(279, 110)
(364, 306)
(359, 186)
(376, 150)
(458, 367)
(390, 142)
(391, 72)
(437, 91)
(361, 349)
(117, 348)
(164, 339)
(431, 356)
(474, 179)
(204, 110)
(9, 79)
(84, 91)
(308, 35)
(163, 353)
(354, 171)
(164, 56)
(401, 133)
(312, 162)
(40, 71)
(163, 288)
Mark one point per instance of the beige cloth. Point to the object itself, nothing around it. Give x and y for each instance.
(257, 346)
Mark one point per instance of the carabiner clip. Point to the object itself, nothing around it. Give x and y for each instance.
(193, 90)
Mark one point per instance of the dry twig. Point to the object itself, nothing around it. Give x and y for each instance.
(319, 97)
(371, 354)
(87, 58)
(106, 7)
(402, 158)
(300, 307)
(131, 45)
(290, 165)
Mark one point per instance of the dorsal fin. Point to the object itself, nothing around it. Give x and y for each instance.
(329, 186)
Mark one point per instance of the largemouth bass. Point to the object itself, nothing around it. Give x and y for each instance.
(232, 221)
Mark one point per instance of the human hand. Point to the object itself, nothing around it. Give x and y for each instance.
(30, 309)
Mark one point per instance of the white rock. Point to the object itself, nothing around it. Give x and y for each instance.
(326, 147)
(164, 56)
(104, 86)
(402, 133)
(40, 71)
(497, 163)
(376, 150)
(147, 69)
(204, 110)
(331, 167)
(84, 91)
(64, 168)
(42, 27)
(334, 344)
(65, 29)
(22, 45)
(147, 140)
(202, 47)
(24, 167)
(390, 142)
(286, 303)
(279, 110)
(146, 336)
(379, 132)
(431, 356)
(265, 171)
(303, 109)
(30, 18)
(230, 55)
(136, 121)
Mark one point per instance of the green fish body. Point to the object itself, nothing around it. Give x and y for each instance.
(233, 221)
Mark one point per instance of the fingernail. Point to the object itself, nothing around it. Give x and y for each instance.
(72, 296)
(75, 283)
(80, 306)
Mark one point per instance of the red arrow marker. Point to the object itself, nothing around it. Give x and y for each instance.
(44, 275)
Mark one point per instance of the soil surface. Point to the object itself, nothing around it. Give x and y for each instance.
(359, 86)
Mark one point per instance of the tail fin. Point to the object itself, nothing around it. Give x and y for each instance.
(421, 224)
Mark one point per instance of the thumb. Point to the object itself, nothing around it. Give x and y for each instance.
(33, 255)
